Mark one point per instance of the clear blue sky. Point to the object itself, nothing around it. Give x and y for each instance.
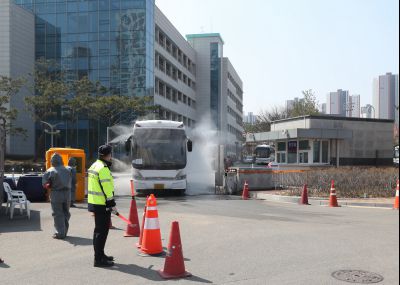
(281, 47)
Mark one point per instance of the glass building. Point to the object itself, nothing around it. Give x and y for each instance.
(110, 41)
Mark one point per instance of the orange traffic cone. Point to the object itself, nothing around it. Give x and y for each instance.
(333, 199)
(133, 229)
(174, 266)
(396, 199)
(139, 244)
(304, 196)
(245, 193)
(151, 241)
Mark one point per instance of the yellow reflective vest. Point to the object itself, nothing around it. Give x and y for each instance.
(100, 184)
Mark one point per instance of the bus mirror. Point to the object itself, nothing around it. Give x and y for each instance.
(128, 145)
(189, 145)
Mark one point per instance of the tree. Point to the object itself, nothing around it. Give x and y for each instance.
(50, 90)
(265, 119)
(9, 88)
(306, 106)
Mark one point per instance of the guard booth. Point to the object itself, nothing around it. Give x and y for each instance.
(79, 155)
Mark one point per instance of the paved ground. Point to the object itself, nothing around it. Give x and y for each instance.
(225, 241)
(356, 202)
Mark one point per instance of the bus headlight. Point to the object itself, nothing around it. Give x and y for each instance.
(180, 176)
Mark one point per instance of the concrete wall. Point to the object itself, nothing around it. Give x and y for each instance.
(17, 58)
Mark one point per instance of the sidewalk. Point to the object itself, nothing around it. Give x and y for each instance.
(357, 202)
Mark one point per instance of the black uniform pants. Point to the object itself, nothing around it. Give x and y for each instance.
(102, 225)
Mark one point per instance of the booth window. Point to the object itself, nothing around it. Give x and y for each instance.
(78, 164)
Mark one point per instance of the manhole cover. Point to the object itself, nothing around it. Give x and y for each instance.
(357, 276)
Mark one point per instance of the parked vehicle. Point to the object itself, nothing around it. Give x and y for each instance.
(264, 154)
(158, 151)
(248, 159)
(396, 156)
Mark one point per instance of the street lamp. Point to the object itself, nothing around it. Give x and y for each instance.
(52, 132)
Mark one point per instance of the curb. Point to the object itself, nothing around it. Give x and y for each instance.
(316, 201)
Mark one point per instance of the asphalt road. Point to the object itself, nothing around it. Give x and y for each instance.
(225, 241)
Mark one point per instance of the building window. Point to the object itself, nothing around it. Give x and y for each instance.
(281, 157)
(281, 152)
(316, 151)
(292, 152)
(303, 157)
(304, 145)
(325, 152)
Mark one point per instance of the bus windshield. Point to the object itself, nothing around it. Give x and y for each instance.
(263, 151)
(159, 149)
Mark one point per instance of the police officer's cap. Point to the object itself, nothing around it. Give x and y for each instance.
(105, 150)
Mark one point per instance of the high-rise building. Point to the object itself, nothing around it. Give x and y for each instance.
(17, 45)
(353, 106)
(289, 104)
(219, 89)
(133, 49)
(386, 97)
(337, 102)
(322, 108)
(250, 118)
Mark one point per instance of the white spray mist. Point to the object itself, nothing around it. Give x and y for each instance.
(200, 166)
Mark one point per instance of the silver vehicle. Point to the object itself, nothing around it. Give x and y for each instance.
(264, 154)
(248, 159)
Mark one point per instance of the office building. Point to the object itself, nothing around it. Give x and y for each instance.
(289, 104)
(133, 49)
(250, 118)
(353, 107)
(17, 61)
(386, 97)
(219, 90)
(336, 103)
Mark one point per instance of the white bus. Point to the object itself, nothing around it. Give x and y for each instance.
(158, 150)
(264, 154)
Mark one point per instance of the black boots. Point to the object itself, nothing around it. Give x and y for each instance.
(103, 262)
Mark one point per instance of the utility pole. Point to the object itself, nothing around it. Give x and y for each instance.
(51, 132)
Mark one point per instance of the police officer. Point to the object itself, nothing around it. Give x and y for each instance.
(101, 202)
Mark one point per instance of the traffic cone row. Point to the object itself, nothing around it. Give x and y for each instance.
(150, 242)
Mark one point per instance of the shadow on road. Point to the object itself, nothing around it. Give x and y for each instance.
(79, 241)
(149, 273)
(19, 223)
(4, 265)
